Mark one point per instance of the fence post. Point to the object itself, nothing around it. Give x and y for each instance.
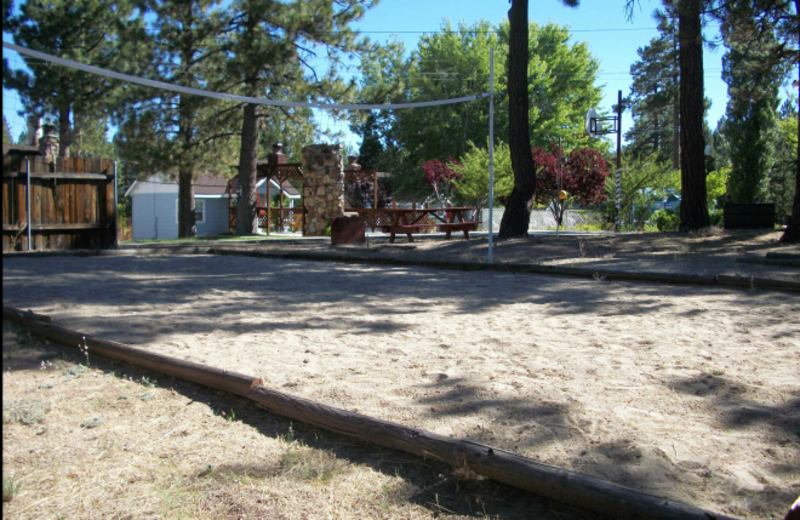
(28, 200)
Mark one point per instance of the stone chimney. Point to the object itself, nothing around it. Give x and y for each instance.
(351, 163)
(277, 156)
(34, 130)
(323, 186)
(48, 144)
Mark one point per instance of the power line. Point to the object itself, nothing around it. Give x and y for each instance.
(496, 31)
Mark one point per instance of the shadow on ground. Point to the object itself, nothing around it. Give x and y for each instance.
(435, 487)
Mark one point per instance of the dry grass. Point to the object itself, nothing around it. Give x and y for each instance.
(113, 442)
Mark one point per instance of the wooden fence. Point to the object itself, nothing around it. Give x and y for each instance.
(58, 204)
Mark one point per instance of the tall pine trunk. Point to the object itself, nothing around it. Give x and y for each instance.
(517, 216)
(694, 209)
(186, 218)
(246, 213)
(792, 233)
(676, 121)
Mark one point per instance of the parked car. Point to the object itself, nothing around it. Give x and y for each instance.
(671, 202)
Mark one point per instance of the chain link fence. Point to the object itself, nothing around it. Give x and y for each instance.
(542, 219)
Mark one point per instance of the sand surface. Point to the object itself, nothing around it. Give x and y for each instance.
(691, 393)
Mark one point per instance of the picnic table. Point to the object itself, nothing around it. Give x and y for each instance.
(411, 220)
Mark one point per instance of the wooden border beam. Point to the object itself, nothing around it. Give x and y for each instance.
(544, 480)
(212, 377)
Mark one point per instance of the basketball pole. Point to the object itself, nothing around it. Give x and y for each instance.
(491, 149)
(618, 173)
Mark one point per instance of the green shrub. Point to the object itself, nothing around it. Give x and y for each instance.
(666, 220)
(716, 217)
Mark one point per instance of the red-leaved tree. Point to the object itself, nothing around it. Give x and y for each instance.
(583, 177)
(440, 177)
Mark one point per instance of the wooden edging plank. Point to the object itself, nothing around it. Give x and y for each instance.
(542, 479)
(758, 283)
(188, 370)
(20, 316)
(578, 272)
(783, 256)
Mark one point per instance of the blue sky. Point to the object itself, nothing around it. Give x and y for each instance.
(602, 24)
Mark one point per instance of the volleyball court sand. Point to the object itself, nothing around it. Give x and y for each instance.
(691, 393)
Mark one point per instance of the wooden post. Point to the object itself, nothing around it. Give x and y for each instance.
(375, 189)
(229, 205)
(269, 197)
(280, 217)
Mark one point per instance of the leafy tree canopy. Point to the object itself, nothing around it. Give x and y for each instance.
(87, 31)
(472, 188)
(454, 62)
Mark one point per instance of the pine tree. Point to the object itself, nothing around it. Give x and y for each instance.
(7, 139)
(751, 122)
(270, 49)
(693, 209)
(654, 97)
(86, 31)
(180, 134)
(769, 41)
(90, 138)
(516, 217)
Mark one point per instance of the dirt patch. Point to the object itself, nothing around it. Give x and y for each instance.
(118, 443)
(685, 392)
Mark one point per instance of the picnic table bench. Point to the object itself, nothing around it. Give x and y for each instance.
(410, 220)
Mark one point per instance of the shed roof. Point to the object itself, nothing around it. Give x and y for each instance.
(210, 185)
(19, 149)
(207, 186)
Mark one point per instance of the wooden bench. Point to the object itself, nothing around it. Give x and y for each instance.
(449, 227)
(405, 229)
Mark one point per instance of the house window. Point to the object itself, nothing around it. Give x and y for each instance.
(199, 211)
